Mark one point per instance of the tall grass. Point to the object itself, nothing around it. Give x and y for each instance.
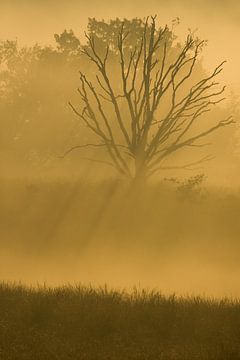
(76, 322)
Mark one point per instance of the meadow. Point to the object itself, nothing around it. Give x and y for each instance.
(174, 237)
(76, 322)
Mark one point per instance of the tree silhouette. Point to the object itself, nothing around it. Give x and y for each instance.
(106, 33)
(67, 42)
(152, 111)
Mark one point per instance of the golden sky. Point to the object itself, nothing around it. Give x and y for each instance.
(216, 20)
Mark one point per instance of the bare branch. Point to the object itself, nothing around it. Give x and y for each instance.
(188, 166)
(80, 147)
(148, 75)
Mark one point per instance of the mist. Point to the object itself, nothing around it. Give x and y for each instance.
(65, 219)
(217, 21)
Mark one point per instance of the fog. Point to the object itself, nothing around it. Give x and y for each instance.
(58, 233)
(65, 219)
(217, 21)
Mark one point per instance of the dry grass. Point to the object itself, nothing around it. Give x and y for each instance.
(97, 323)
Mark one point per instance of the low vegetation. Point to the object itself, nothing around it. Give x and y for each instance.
(97, 323)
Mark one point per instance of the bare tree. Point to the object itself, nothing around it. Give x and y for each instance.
(153, 113)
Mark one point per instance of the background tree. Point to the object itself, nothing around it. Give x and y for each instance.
(155, 110)
(106, 34)
(35, 83)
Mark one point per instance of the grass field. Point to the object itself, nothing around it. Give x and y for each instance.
(96, 323)
(178, 239)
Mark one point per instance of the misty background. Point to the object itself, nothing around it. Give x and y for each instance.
(68, 220)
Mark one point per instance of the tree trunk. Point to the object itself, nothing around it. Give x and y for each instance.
(140, 176)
